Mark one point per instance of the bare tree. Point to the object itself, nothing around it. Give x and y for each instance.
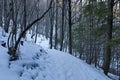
(107, 58)
(62, 25)
(13, 49)
(70, 26)
(6, 16)
(1, 11)
(56, 24)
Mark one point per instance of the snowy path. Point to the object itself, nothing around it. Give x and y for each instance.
(71, 68)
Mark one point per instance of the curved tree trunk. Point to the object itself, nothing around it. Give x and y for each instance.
(12, 50)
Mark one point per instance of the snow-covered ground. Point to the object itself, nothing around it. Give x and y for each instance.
(41, 40)
(35, 63)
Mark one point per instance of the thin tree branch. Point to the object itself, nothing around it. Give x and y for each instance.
(31, 24)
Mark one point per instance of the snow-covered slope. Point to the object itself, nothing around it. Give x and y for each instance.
(35, 63)
(38, 64)
(71, 68)
(5, 72)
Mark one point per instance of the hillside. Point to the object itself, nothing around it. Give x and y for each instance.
(37, 64)
(59, 39)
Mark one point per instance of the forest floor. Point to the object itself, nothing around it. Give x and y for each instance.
(36, 63)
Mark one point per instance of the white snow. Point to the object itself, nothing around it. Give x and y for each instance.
(5, 72)
(35, 63)
(71, 68)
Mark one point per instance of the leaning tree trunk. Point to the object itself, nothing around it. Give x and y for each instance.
(12, 51)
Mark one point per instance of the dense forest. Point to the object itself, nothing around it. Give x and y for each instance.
(87, 29)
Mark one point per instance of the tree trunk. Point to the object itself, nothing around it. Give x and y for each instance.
(70, 27)
(62, 26)
(107, 58)
(1, 2)
(56, 26)
(24, 17)
(51, 24)
(12, 50)
(6, 17)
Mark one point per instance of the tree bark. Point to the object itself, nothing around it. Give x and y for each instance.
(1, 2)
(6, 17)
(107, 58)
(51, 15)
(24, 17)
(56, 26)
(12, 50)
(70, 27)
(62, 26)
